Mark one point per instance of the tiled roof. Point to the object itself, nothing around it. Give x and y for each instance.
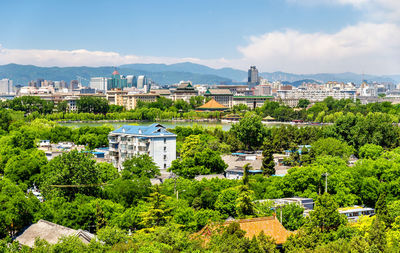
(152, 130)
(253, 227)
(50, 232)
(219, 92)
(212, 104)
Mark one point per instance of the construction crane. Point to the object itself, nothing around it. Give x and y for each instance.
(80, 78)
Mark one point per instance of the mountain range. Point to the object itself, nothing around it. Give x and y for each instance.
(169, 74)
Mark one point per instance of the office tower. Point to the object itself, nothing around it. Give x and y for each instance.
(74, 85)
(131, 81)
(141, 82)
(39, 83)
(253, 78)
(6, 86)
(116, 81)
(98, 83)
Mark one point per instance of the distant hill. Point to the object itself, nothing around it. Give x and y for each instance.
(325, 77)
(170, 74)
(300, 82)
(22, 74)
(229, 73)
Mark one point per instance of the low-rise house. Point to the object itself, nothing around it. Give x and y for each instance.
(353, 213)
(51, 233)
(236, 162)
(153, 140)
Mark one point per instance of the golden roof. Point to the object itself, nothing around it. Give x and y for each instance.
(212, 104)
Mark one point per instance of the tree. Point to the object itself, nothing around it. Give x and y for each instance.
(5, 120)
(293, 217)
(268, 163)
(303, 103)
(250, 131)
(71, 173)
(370, 151)
(244, 203)
(140, 165)
(377, 235)
(381, 209)
(62, 106)
(91, 104)
(325, 215)
(225, 202)
(332, 147)
(16, 210)
(158, 212)
(25, 167)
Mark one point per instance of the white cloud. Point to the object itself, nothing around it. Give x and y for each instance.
(366, 47)
(376, 10)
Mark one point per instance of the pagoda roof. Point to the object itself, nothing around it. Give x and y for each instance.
(212, 105)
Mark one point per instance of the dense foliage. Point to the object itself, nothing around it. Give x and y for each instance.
(127, 213)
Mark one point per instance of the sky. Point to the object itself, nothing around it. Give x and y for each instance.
(297, 36)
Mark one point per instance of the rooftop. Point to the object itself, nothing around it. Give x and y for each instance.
(253, 227)
(218, 92)
(50, 232)
(152, 130)
(212, 104)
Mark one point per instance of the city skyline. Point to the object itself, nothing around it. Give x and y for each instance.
(297, 36)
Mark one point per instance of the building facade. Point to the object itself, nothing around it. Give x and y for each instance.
(153, 140)
(99, 83)
(222, 96)
(252, 78)
(6, 87)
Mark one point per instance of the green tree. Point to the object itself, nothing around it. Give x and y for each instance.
(377, 235)
(140, 165)
(268, 163)
(292, 216)
(62, 107)
(91, 104)
(370, 151)
(5, 120)
(244, 203)
(158, 212)
(382, 211)
(250, 131)
(332, 147)
(303, 103)
(325, 215)
(69, 174)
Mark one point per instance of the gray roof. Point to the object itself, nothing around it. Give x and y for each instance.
(218, 92)
(50, 232)
(152, 130)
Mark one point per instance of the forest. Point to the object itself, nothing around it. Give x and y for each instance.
(129, 214)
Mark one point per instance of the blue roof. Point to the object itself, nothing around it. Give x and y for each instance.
(152, 130)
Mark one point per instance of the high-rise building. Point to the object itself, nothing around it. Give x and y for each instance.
(253, 78)
(131, 80)
(73, 85)
(116, 81)
(6, 86)
(39, 82)
(141, 82)
(98, 83)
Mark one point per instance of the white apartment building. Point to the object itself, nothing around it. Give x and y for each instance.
(153, 140)
(6, 87)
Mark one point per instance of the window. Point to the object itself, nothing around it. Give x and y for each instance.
(165, 140)
(165, 149)
(165, 157)
(165, 165)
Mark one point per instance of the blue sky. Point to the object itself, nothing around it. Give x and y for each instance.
(274, 34)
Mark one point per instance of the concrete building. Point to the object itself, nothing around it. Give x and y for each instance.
(98, 83)
(251, 101)
(6, 87)
(153, 140)
(184, 91)
(141, 82)
(222, 96)
(253, 78)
